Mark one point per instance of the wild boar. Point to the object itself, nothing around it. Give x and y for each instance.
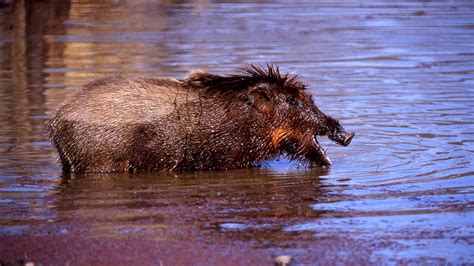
(204, 121)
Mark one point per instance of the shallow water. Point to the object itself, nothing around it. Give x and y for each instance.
(400, 74)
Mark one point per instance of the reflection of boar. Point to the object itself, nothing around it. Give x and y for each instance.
(202, 122)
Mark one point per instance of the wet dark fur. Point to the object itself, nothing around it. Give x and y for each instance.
(205, 121)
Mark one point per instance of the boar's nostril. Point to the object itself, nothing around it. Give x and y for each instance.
(348, 138)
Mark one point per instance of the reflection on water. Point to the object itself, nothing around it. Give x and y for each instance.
(399, 74)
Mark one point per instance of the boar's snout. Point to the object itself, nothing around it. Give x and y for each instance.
(348, 139)
(342, 138)
(337, 133)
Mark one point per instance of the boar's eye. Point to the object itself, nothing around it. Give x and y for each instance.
(293, 101)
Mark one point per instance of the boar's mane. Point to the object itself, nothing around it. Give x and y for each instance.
(246, 79)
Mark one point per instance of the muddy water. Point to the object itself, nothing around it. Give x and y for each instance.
(400, 74)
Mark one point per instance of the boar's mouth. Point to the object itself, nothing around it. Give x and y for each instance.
(317, 154)
(311, 152)
(308, 148)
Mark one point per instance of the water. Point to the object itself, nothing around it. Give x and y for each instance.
(400, 74)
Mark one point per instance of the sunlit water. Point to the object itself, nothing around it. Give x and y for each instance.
(399, 74)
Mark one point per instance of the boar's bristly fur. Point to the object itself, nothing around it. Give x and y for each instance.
(204, 121)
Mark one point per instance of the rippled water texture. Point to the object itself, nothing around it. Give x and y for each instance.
(400, 74)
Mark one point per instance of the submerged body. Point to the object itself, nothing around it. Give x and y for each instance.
(202, 122)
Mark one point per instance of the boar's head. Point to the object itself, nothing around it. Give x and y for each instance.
(294, 121)
(280, 106)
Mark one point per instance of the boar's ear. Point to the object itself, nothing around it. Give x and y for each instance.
(200, 78)
(259, 98)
